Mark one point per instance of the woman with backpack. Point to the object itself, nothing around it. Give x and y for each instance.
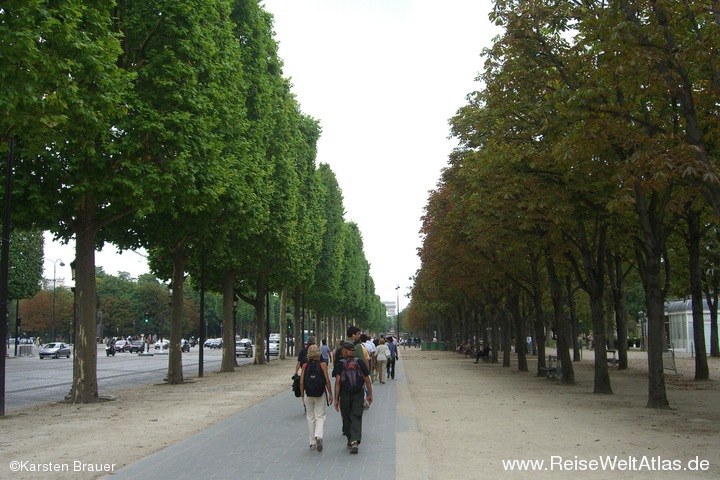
(314, 382)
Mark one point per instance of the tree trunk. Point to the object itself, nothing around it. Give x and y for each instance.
(649, 253)
(574, 324)
(175, 373)
(702, 372)
(495, 333)
(657, 396)
(560, 322)
(260, 333)
(617, 288)
(710, 288)
(539, 339)
(593, 282)
(520, 343)
(85, 385)
(227, 363)
(506, 336)
(297, 327)
(282, 322)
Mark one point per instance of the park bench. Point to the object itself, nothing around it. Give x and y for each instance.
(553, 369)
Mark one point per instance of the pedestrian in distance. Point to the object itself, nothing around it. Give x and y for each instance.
(326, 354)
(315, 385)
(393, 356)
(382, 354)
(351, 374)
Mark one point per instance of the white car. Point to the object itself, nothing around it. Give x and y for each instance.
(244, 347)
(274, 348)
(162, 344)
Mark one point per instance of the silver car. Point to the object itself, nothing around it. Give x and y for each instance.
(55, 350)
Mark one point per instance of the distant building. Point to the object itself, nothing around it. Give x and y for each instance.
(679, 325)
(391, 308)
(48, 283)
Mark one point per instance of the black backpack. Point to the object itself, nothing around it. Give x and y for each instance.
(314, 381)
(352, 379)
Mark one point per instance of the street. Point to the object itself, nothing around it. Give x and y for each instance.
(29, 380)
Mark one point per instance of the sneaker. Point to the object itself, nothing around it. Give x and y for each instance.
(354, 446)
(313, 447)
(319, 444)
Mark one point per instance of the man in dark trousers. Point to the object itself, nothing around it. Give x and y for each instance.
(393, 356)
(349, 394)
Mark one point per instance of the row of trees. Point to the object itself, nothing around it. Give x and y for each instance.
(169, 126)
(589, 156)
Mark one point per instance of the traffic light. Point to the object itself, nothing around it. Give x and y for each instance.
(147, 317)
(289, 325)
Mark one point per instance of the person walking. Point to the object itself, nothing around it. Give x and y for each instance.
(353, 337)
(351, 373)
(393, 356)
(326, 354)
(303, 355)
(382, 354)
(371, 349)
(302, 360)
(315, 384)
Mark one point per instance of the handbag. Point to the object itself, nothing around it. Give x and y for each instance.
(296, 385)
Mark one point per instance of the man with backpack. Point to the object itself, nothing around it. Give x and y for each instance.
(351, 375)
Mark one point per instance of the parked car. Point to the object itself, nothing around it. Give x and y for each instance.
(123, 346)
(162, 344)
(184, 345)
(274, 348)
(137, 346)
(243, 347)
(55, 350)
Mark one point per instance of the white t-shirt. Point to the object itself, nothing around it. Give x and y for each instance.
(371, 348)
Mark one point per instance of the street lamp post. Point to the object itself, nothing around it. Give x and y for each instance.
(74, 318)
(62, 264)
(397, 333)
(235, 304)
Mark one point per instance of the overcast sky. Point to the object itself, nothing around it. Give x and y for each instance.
(383, 77)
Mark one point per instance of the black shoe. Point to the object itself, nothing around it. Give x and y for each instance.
(319, 444)
(354, 446)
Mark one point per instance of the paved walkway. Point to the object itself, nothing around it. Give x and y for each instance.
(270, 440)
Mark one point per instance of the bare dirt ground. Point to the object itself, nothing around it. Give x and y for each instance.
(474, 417)
(456, 419)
